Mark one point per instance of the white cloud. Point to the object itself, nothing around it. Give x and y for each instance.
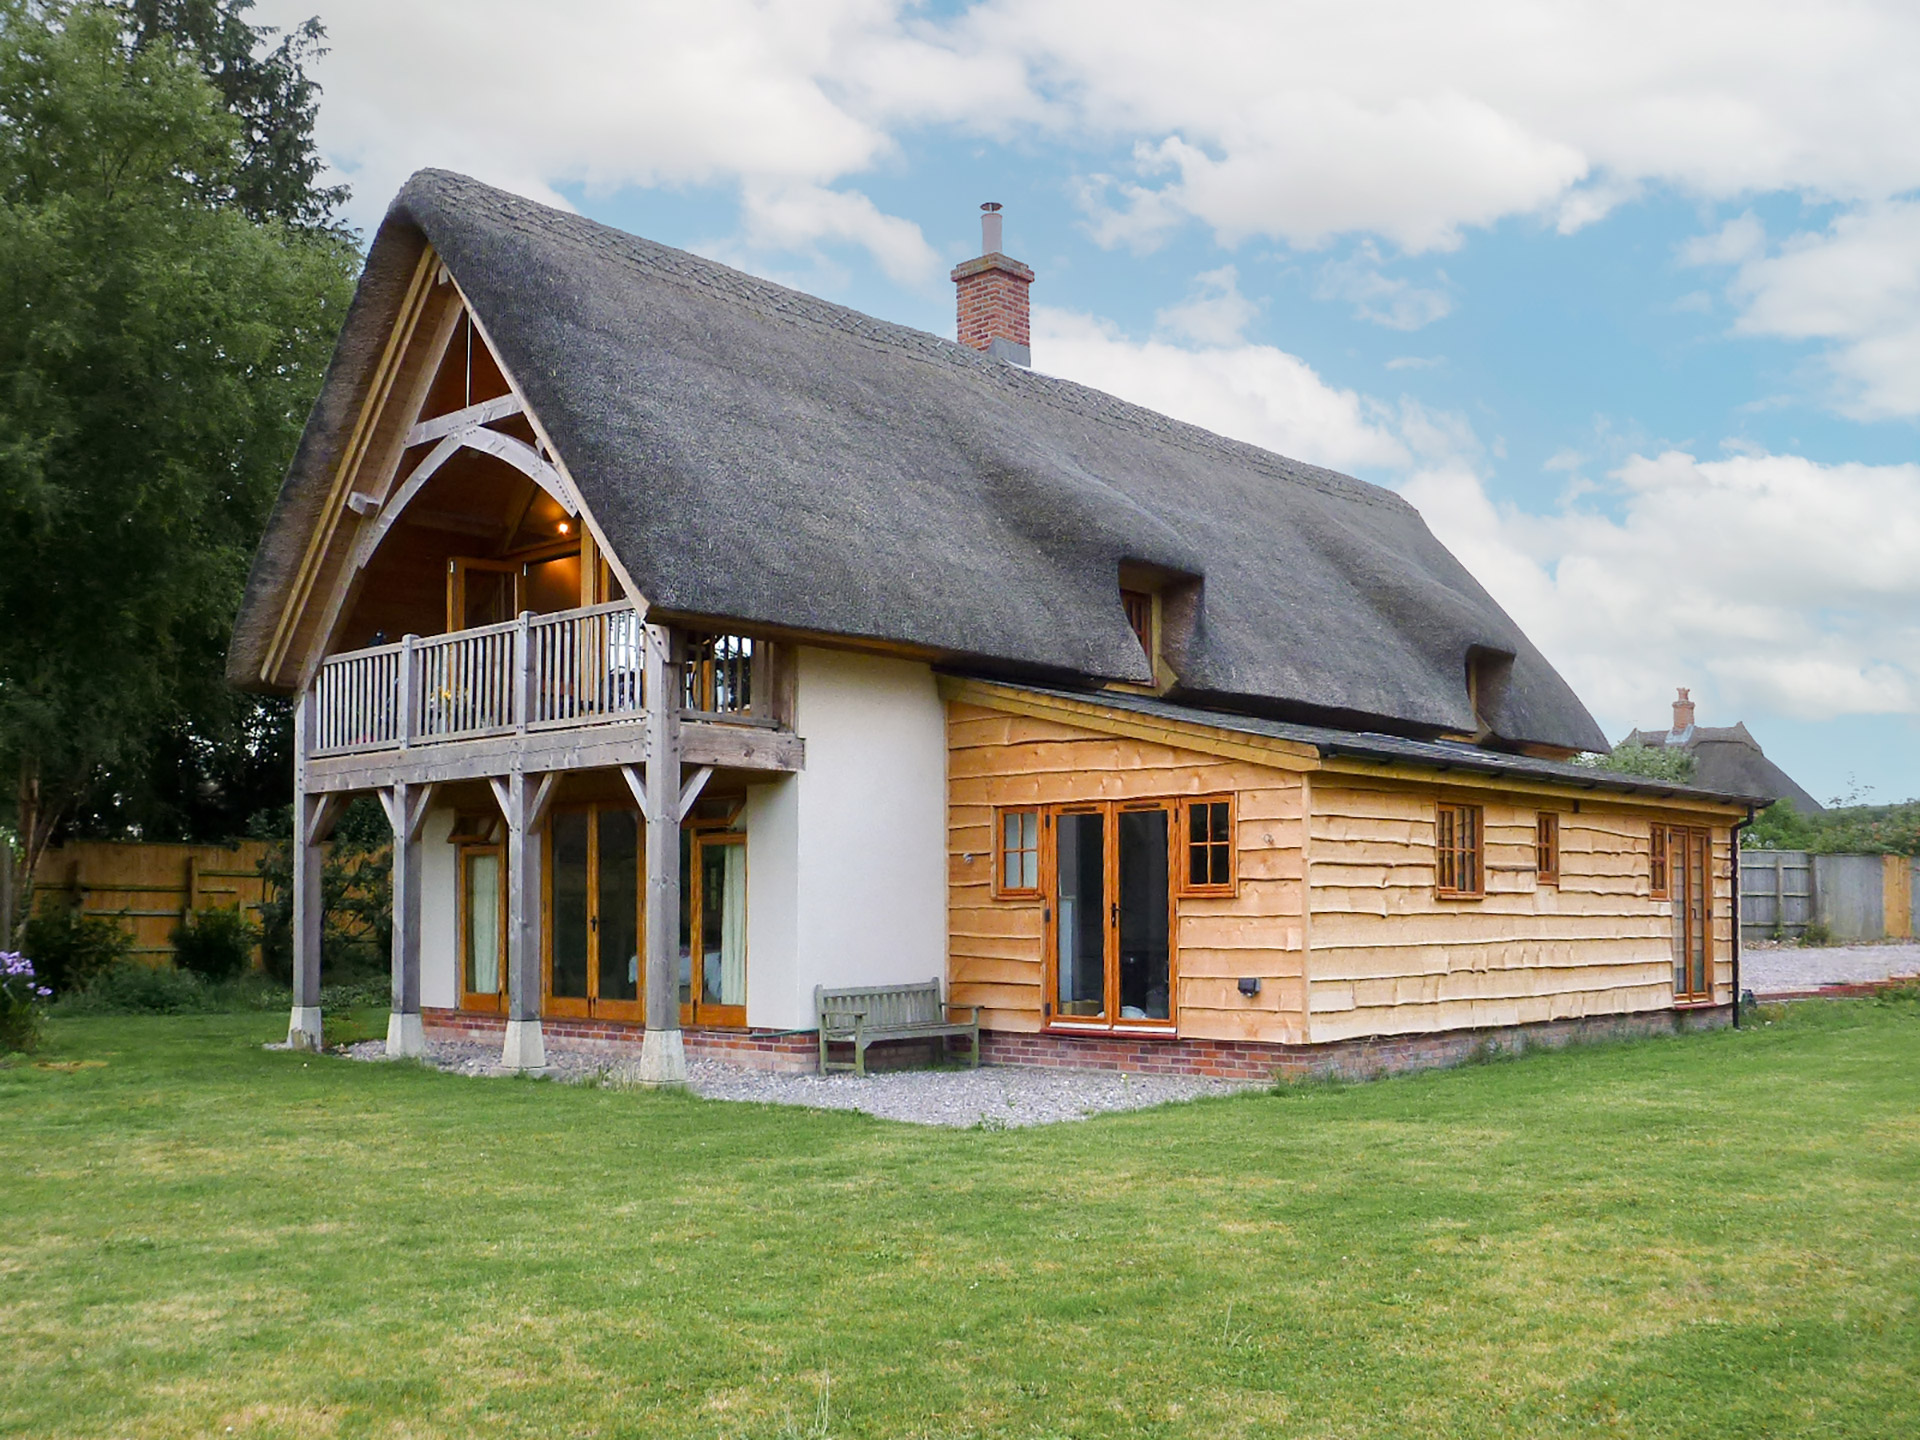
(1413, 121)
(1214, 313)
(1251, 392)
(1378, 297)
(1855, 285)
(1769, 581)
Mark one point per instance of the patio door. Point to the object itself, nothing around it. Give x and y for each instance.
(1690, 883)
(1110, 946)
(594, 922)
(713, 927)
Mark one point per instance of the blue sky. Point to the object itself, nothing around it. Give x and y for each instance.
(1626, 299)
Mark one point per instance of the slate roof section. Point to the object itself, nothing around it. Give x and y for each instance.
(758, 455)
(1727, 757)
(1441, 755)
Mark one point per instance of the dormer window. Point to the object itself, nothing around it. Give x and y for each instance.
(1139, 607)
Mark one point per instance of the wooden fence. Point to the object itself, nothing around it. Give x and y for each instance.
(150, 888)
(1855, 897)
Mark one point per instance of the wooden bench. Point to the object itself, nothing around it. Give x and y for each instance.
(887, 1012)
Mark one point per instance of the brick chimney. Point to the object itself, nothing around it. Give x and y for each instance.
(1682, 713)
(992, 295)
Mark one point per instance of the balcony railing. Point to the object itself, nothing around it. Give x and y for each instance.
(540, 672)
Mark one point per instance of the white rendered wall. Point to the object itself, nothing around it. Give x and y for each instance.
(439, 986)
(846, 861)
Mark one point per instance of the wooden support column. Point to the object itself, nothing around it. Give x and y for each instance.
(406, 806)
(523, 802)
(313, 817)
(663, 1056)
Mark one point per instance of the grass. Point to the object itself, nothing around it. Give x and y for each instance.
(1712, 1235)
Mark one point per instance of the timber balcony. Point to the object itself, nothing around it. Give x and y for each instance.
(541, 693)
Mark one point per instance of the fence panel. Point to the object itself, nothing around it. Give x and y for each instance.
(1776, 893)
(151, 887)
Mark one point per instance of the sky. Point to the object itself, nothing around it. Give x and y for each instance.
(1625, 297)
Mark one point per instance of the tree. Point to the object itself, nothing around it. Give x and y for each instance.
(1649, 762)
(163, 337)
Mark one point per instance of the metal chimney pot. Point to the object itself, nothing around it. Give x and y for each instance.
(990, 228)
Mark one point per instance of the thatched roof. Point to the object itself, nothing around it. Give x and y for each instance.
(759, 455)
(1728, 758)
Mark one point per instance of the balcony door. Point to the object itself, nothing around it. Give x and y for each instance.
(1110, 920)
(593, 963)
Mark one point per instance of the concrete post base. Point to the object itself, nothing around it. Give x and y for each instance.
(303, 1028)
(526, 1047)
(663, 1059)
(406, 1037)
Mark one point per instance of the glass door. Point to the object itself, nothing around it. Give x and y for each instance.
(713, 927)
(1690, 854)
(483, 929)
(594, 917)
(1111, 947)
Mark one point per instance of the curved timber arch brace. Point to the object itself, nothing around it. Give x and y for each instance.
(465, 430)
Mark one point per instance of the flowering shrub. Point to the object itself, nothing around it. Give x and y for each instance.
(21, 995)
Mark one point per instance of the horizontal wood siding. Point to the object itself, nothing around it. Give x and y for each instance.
(995, 960)
(1389, 957)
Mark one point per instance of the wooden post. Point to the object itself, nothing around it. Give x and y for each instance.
(403, 722)
(523, 672)
(663, 1057)
(522, 803)
(193, 890)
(406, 807)
(312, 820)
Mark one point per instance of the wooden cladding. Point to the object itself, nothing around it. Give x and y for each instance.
(1546, 848)
(1459, 867)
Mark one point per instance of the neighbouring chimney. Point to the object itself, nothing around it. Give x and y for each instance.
(1682, 713)
(991, 292)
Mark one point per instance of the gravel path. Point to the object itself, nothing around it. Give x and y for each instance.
(1767, 970)
(994, 1096)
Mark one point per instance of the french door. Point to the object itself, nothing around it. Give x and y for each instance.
(1110, 921)
(1690, 884)
(483, 928)
(713, 927)
(594, 921)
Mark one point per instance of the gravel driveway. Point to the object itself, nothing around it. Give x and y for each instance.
(1771, 971)
(994, 1096)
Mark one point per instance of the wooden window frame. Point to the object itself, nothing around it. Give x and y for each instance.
(1001, 889)
(464, 850)
(1184, 846)
(1546, 847)
(1659, 861)
(1447, 851)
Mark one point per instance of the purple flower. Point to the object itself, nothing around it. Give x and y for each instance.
(42, 991)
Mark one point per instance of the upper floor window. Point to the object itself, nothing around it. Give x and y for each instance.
(1139, 607)
(717, 678)
(1458, 870)
(1546, 848)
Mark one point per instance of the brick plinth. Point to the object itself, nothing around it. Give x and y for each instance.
(795, 1052)
(1345, 1059)
(785, 1051)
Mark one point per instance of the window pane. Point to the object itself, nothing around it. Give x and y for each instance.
(619, 932)
(483, 922)
(1081, 957)
(1030, 870)
(1144, 937)
(1222, 854)
(570, 904)
(1218, 813)
(723, 924)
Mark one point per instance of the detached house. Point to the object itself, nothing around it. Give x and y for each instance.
(708, 643)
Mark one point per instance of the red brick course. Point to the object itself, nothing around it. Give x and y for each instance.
(991, 295)
(796, 1052)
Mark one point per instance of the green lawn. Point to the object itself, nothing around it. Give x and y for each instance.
(1715, 1235)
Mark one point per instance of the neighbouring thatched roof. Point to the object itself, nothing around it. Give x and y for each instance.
(1728, 758)
(755, 454)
